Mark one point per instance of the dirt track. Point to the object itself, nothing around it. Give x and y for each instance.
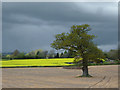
(103, 77)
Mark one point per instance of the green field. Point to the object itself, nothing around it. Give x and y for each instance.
(36, 62)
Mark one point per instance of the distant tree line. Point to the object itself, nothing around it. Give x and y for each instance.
(112, 54)
(40, 54)
(37, 54)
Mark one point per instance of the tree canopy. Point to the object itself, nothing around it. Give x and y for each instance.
(80, 43)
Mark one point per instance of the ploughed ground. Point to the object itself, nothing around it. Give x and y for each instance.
(56, 77)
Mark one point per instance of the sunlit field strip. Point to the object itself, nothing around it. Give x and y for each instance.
(37, 62)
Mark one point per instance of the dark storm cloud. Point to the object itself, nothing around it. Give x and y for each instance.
(67, 12)
(29, 26)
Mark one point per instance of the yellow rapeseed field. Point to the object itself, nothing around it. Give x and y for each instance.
(37, 62)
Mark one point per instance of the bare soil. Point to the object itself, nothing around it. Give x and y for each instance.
(57, 77)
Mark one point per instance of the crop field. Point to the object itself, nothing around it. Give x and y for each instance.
(105, 76)
(37, 62)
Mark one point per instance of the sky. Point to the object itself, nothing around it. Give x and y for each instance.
(28, 26)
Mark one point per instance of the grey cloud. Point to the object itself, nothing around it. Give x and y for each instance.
(65, 12)
(28, 26)
(107, 47)
(27, 37)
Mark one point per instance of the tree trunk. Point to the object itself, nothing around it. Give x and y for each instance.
(85, 68)
(85, 71)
